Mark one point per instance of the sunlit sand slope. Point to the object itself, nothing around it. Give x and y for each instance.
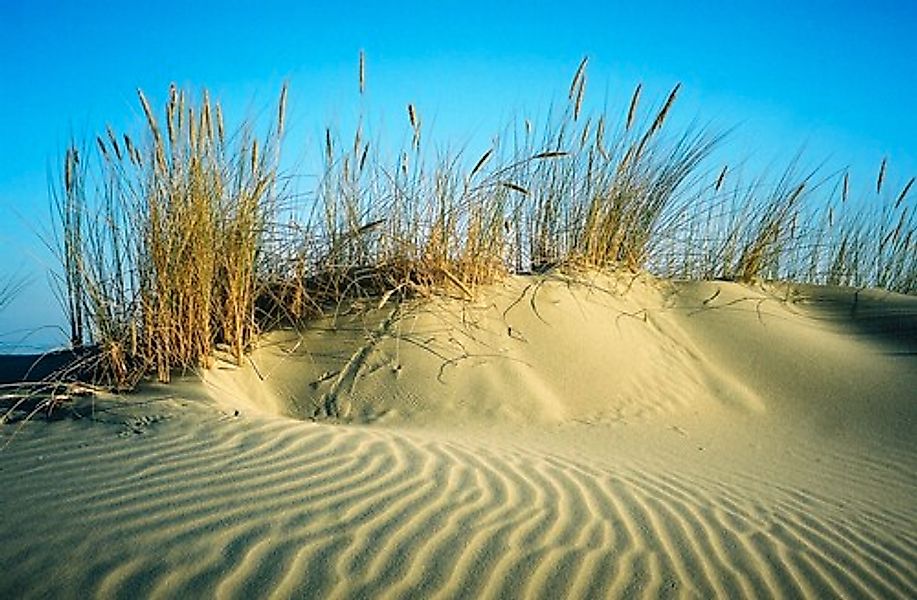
(695, 440)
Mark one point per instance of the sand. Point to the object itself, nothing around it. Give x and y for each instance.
(597, 438)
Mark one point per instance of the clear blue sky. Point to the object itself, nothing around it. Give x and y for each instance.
(839, 77)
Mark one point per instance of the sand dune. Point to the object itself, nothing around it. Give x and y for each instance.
(616, 439)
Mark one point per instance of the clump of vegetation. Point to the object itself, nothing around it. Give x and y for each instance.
(869, 241)
(160, 258)
(185, 239)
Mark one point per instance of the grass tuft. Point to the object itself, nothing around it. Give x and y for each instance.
(183, 239)
(160, 262)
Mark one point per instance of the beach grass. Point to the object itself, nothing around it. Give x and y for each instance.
(183, 239)
(10, 287)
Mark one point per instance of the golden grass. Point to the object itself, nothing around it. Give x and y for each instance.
(362, 72)
(166, 267)
(185, 243)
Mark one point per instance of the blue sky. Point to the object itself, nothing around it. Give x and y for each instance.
(837, 77)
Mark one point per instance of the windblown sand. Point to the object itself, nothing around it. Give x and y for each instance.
(557, 439)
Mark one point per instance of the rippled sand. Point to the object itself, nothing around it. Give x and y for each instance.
(624, 439)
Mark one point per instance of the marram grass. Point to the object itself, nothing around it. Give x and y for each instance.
(160, 258)
(184, 239)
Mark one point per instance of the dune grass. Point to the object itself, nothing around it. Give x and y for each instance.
(873, 245)
(10, 287)
(184, 240)
(160, 256)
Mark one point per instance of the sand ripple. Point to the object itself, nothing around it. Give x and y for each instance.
(249, 507)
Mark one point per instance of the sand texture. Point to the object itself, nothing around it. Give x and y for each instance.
(559, 438)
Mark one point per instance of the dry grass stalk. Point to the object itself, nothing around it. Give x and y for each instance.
(577, 80)
(281, 109)
(881, 177)
(720, 179)
(663, 113)
(578, 88)
(481, 162)
(904, 192)
(632, 110)
(415, 126)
